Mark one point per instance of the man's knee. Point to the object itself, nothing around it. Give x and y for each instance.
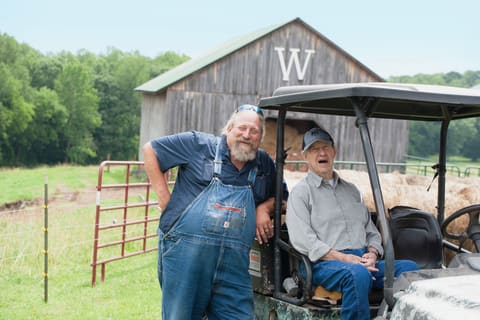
(359, 275)
(404, 266)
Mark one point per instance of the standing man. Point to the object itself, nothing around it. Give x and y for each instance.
(223, 197)
(328, 221)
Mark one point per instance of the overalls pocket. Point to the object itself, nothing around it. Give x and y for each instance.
(224, 219)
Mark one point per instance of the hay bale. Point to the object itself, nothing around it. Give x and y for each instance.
(407, 189)
(411, 190)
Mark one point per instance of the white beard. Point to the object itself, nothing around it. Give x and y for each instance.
(242, 152)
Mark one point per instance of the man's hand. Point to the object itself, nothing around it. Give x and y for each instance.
(369, 259)
(264, 221)
(340, 256)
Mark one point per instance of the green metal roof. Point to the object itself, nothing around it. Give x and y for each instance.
(185, 69)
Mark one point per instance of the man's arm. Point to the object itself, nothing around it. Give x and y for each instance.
(264, 220)
(374, 239)
(302, 236)
(157, 178)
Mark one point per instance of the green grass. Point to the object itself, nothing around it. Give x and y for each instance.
(28, 184)
(131, 289)
(456, 166)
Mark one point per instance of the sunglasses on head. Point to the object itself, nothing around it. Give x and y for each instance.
(250, 107)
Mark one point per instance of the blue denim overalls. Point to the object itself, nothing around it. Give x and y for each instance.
(204, 257)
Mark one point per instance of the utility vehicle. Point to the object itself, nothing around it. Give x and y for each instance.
(437, 290)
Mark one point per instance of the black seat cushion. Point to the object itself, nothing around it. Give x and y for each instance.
(416, 236)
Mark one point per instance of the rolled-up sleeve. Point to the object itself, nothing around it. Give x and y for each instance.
(374, 238)
(302, 237)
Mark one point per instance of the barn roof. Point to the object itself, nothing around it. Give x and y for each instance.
(176, 74)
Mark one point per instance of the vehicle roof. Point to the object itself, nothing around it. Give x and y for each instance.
(387, 100)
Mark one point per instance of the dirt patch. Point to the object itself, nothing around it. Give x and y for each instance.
(18, 205)
(61, 201)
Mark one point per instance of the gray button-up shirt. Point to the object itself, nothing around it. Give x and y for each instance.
(321, 217)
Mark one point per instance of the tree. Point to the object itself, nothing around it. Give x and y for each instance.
(422, 137)
(45, 70)
(75, 90)
(117, 76)
(165, 62)
(15, 115)
(463, 135)
(459, 133)
(46, 131)
(471, 147)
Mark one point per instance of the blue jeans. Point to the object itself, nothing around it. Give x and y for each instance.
(204, 258)
(354, 281)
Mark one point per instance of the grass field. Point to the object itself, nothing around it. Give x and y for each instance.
(131, 289)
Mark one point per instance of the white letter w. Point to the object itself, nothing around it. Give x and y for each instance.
(293, 59)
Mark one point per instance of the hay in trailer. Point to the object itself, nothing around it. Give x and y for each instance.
(411, 190)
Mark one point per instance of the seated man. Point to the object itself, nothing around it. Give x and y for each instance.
(328, 221)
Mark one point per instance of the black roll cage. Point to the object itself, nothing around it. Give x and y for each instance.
(362, 101)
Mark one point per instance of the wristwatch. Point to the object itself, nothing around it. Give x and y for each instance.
(374, 251)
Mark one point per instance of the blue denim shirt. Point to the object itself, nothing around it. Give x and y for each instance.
(193, 153)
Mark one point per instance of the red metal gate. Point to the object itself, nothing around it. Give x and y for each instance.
(126, 217)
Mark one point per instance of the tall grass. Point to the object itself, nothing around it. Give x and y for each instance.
(131, 289)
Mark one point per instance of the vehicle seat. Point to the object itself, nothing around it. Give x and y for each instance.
(316, 295)
(416, 236)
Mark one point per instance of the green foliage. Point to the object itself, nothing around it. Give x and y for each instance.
(454, 79)
(15, 115)
(75, 89)
(118, 74)
(165, 62)
(79, 108)
(423, 138)
(45, 133)
(119, 105)
(471, 145)
(45, 71)
(463, 135)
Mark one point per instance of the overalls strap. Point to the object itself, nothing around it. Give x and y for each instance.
(217, 163)
(251, 176)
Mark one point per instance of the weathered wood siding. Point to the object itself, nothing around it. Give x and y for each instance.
(204, 100)
(152, 119)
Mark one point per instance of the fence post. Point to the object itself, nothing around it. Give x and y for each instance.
(45, 247)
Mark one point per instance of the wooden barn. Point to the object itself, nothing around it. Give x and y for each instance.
(201, 93)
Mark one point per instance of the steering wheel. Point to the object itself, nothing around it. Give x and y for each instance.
(472, 231)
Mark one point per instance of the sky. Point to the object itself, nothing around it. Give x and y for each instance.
(392, 38)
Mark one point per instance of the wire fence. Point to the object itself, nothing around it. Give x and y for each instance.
(14, 250)
(31, 224)
(29, 251)
(19, 242)
(388, 167)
